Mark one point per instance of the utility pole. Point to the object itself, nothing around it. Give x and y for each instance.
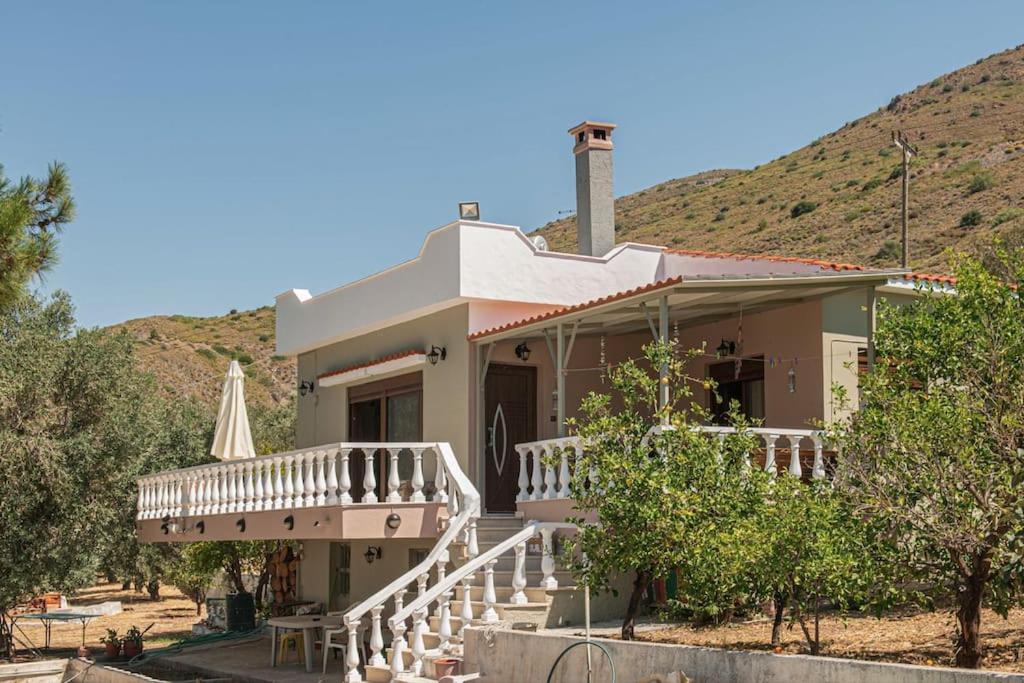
(901, 141)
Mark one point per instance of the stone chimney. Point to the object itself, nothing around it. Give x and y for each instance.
(595, 202)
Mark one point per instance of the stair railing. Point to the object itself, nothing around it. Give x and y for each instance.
(442, 592)
(464, 504)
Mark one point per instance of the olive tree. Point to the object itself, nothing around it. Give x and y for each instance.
(934, 454)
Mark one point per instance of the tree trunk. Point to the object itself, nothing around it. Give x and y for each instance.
(968, 617)
(779, 601)
(153, 588)
(640, 583)
(264, 579)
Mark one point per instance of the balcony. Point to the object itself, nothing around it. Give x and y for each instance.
(329, 491)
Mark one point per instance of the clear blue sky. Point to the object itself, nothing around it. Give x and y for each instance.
(222, 152)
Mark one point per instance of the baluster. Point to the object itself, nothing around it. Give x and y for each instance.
(189, 501)
(563, 471)
(369, 478)
(332, 478)
(229, 490)
(393, 481)
(345, 483)
(268, 484)
(794, 457)
(352, 656)
(452, 498)
(440, 479)
(320, 482)
(202, 499)
(151, 487)
(376, 637)
(547, 559)
(179, 494)
(769, 453)
(309, 483)
(208, 494)
(444, 627)
(819, 461)
(549, 475)
(276, 485)
(489, 615)
(421, 584)
(240, 487)
(524, 478)
(442, 562)
(466, 615)
(140, 500)
(258, 492)
(222, 499)
(472, 547)
(418, 481)
(519, 576)
(419, 627)
(397, 646)
(250, 490)
(154, 498)
(288, 486)
(535, 476)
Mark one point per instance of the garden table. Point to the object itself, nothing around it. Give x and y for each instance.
(48, 619)
(309, 624)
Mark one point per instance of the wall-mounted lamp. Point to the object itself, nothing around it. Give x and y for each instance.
(306, 387)
(372, 553)
(201, 526)
(240, 525)
(394, 521)
(726, 348)
(437, 353)
(523, 352)
(289, 522)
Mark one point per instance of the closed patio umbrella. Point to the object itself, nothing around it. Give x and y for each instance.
(232, 439)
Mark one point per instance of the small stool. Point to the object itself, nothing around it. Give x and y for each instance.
(292, 638)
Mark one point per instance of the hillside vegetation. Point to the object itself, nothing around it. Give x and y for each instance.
(189, 355)
(838, 198)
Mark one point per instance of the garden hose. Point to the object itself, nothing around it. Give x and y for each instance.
(599, 646)
(193, 641)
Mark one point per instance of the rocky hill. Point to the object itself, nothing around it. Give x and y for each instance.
(839, 197)
(189, 355)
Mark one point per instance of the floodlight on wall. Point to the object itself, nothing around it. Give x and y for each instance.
(469, 211)
(523, 352)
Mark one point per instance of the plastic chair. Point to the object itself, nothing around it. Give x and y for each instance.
(291, 638)
(329, 643)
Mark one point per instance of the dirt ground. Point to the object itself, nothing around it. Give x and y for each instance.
(172, 617)
(909, 636)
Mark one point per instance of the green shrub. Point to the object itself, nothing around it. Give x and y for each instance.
(278, 357)
(981, 182)
(264, 337)
(224, 351)
(800, 208)
(871, 184)
(853, 182)
(947, 88)
(1007, 215)
(895, 173)
(243, 358)
(889, 251)
(207, 353)
(970, 219)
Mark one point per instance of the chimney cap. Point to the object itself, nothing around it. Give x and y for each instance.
(592, 135)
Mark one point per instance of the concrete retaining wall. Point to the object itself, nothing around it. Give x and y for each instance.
(504, 656)
(84, 671)
(45, 671)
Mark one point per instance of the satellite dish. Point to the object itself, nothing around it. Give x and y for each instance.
(539, 242)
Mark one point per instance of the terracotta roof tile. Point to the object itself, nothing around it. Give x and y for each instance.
(369, 363)
(828, 265)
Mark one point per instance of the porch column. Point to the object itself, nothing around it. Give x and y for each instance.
(560, 377)
(871, 309)
(663, 372)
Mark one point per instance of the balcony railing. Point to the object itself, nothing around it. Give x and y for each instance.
(545, 467)
(334, 474)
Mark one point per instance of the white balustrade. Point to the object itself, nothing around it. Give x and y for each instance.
(393, 481)
(444, 626)
(352, 653)
(369, 477)
(466, 615)
(489, 615)
(547, 559)
(376, 637)
(419, 629)
(519, 576)
(319, 481)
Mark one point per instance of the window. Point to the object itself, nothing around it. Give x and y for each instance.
(600, 134)
(743, 383)
(388, 410)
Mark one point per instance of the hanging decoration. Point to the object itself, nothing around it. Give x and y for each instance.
(601, 360)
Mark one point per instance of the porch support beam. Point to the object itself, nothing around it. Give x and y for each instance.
(650, 323)
(663, 371)
(572, 340)
(551, 347)
(560, 377)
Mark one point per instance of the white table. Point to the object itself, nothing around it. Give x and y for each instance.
(309, 624)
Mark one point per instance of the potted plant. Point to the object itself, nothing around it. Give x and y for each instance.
(111, 644)
(132, 642)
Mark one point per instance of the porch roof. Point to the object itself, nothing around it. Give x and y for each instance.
(692, 299)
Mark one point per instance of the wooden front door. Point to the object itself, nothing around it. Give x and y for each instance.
(510, 417)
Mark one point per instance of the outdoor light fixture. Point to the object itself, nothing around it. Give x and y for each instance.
(289, 522)
(437, 353)
(372, 553)
(306, 387)
(469, 211)
(726, 348)
(201, 526)
(523, 352)
(394, 521)
(240, 524)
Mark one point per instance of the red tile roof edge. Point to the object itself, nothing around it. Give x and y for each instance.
(931, 277)
(577, 307)
(370, 363)
(830, 265)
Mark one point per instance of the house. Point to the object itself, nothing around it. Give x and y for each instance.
(430, 392)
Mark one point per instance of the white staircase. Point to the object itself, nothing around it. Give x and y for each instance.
(506, 584)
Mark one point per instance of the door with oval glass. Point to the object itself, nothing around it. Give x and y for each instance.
(510, 417)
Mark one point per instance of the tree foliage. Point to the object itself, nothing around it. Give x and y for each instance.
(935, 455)
(32, 214)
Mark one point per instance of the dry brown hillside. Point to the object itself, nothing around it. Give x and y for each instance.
(838, 198)
(189, 355)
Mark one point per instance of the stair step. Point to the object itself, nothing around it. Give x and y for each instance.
(503, 593)
(504, 578)
(503, 522)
